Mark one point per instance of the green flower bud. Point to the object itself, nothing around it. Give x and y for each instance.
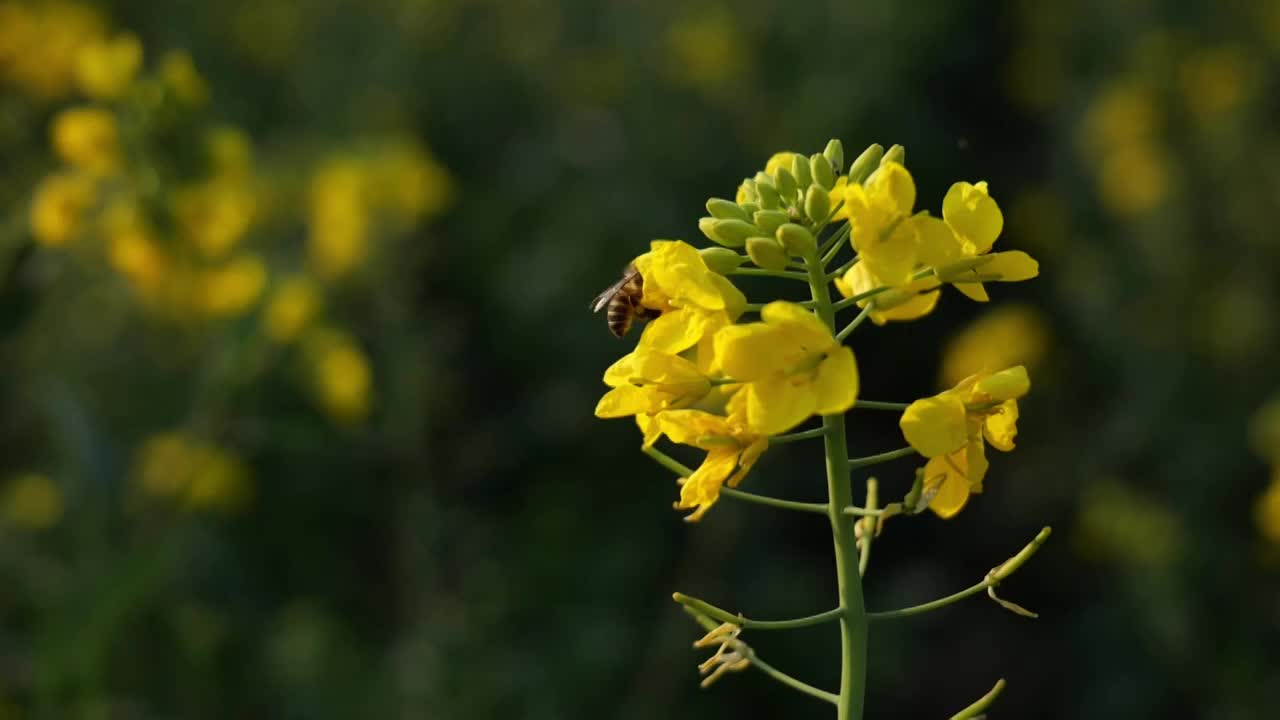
(770, 220)
(895, 154)
(764, 178)
(796, 239)
(750, 208)
(730, 233)
(726, 210)
(817, 203)
(748, 190)
(769, 197)
(868, 161)
(786, 183)
(800, 169)
(721, 260)
(835, 153)
(767, 253)
(822, 171)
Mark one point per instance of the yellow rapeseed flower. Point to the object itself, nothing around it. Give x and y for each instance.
(790, 367)
(179, 74)
(215, 215)
(31, 501)
(408, 181)
(1008, 335)
(906, 302)
(59, 206)
(647, 381)
(694, 301)
(879, 212)
(105, 69)
(40, 44)
(192, 472)
(1266, 509)
(340, 375)
(132, 248)
(950, 428)
(293, 304)
(230, 152)
(971, 222)
(732, 449)
(233, 288)
(86, 138)
(338, 218)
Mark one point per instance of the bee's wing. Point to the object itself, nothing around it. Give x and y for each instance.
(603, 298)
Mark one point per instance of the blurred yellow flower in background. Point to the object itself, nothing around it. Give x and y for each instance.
(1010, 334)
(31, 501)
(40, 44)
(105, 68)
(86, 138)
(293, 304)
(195, 474)
(1216, 80)
(131, 246)
(409, 181)
(338, 218)
(59, 206)
(213, 216)
(233, 288)
(704, 50)
(1266, 509)
(341, 379)
(179, 74)
(230, 152)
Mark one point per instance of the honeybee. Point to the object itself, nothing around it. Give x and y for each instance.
(623, 300)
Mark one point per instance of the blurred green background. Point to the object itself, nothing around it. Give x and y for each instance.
(298, 380)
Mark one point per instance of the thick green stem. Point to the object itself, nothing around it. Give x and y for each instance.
(853, 622)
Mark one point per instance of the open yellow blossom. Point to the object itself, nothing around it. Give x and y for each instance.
(879, 213)
(648, 381)
(790, 365)
(86, 138)
(950, 429)
(338, 218)
(214, 215)
(105, 69)
(906, 302)
(732, 449)
(694, 301)
(40, 44)
(974, 221)
(59, 206)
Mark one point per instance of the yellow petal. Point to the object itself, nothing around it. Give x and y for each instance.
(702, 488)
(951, 489)
(774, 406)
(973, 290)
(748, 460)
(677, 330)
(1008, 384)
(1012, 266)
(935, 426)
(892, 260)
(836, 384)
(649, 427)
(974, 215)
(755, 351)
(679, 271)
(804, 328)
(938, 242)
(1001, 426)
(891, 187)
(624, 401)
(645, 365)
(975, 464)
(688, 427)
(917, 307)
(734, 301)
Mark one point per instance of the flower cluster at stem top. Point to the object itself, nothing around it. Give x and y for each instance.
(702, 377)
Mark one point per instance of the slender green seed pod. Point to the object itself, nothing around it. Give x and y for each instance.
(868, 161)
(822, 171)
(817, 203)
(835, 153)
(726, 210)
(770, 220)
(796, 239)
(800, 169)
(767, 253)
(895, 154)
(721, 260)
